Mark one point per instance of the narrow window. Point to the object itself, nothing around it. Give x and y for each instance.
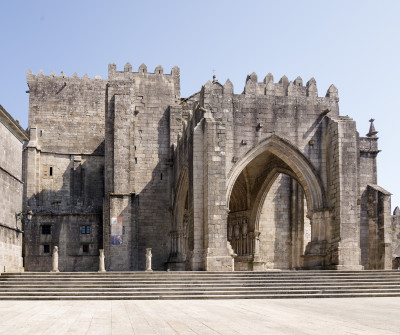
(46, 248)
(46, 229)
(47, 171)
(161, 176)
(41, 133)
(85, 248)
(135, 160)
(85, 230)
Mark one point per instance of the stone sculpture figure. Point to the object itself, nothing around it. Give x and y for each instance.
(101, 261)
(148, 259)
(55, 260)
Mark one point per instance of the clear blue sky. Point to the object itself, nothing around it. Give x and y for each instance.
(353, 44)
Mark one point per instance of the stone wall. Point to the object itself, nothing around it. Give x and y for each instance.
(275, 237)
(11, 187)
(138, 163)
(396, 238)
(64, 170)
(176, 175)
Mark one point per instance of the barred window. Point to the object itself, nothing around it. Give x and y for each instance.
(85, 229)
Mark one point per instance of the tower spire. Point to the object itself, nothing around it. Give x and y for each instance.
(372, 132)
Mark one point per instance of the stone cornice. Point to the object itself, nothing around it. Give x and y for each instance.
(12, 125)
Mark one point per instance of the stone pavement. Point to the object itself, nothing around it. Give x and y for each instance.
(283, 316)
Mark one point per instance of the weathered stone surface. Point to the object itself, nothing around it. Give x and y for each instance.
(273, 178)
(11, 187)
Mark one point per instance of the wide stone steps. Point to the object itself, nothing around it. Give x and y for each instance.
(199, 285)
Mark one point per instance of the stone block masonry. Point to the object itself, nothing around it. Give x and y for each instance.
(272, 178)
(11, 188)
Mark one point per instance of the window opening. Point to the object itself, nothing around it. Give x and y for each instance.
(85, 229)
(85, 248)
(46, 229)
(46, 248)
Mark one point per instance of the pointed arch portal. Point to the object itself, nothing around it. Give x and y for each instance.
(273, 193)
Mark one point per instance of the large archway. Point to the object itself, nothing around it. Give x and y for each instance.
(182, 226)
(272, 195)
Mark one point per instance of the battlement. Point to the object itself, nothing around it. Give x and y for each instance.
(113, 74)
(31, 78)
(283, 88)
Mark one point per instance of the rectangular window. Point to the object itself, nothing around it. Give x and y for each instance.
(48, 171)
(46, 248)
(46, 229)
(85, 229)
(85, 248)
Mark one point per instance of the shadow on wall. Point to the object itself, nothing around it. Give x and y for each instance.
(67, 213)
(147, 216)
(153, 200)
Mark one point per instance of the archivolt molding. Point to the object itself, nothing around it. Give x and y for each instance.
(180, 196)
(301, 170)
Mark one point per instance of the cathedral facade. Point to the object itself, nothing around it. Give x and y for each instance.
(272, 178)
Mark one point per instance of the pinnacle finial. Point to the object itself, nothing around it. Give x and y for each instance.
(372, 132)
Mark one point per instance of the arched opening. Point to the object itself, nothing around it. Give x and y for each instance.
(182, 238)
(271, 204)
(283, 226)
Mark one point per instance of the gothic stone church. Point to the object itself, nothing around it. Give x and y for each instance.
(272, 178)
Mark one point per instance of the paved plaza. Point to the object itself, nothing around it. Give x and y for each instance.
(284, 316)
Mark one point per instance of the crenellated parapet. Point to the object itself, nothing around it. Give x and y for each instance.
(284, 88)
(169, 83)
(113, 74)
(61, 78)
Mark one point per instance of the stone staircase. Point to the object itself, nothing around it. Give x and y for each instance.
(198, 285)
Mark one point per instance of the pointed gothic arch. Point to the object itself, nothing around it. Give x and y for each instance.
(264, 163)
(301, 169)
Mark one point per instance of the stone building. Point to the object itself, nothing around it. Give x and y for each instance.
(272, 178)
(11, 187)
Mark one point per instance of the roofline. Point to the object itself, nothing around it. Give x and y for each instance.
(12, 125)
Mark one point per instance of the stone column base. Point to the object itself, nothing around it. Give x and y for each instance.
(258, 266)
(313, 262)
(197, 260)
(345, 256)
(176, 266)
(219, 263)
(220, 259)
